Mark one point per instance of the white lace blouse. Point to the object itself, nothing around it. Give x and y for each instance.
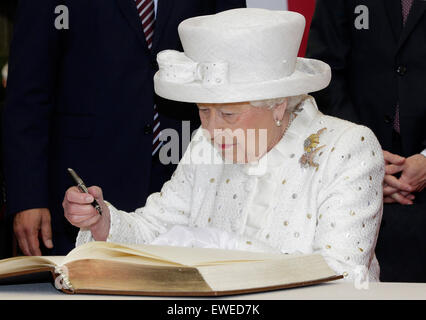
(319, 190)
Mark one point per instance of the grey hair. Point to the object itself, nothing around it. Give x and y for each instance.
(292, 102)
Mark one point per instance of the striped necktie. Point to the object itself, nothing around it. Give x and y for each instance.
(406, 8)
(146, 10)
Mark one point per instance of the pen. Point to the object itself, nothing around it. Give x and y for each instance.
(82, 187)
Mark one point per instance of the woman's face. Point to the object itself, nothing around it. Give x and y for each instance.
(241, 132)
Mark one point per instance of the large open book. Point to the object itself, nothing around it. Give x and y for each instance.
(109, 268)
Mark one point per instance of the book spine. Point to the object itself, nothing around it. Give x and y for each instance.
(62, 281)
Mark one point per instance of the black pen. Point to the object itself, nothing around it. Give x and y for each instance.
(82, 187)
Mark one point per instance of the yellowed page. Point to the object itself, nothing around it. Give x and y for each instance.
(117, 252)
(164, 255)
(194, 257)
(276, 272)
(22, 264)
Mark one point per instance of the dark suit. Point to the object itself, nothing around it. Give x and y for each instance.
(7, 9)
(83, 98)
(373, 70)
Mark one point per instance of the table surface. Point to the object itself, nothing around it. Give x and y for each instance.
(337, 290)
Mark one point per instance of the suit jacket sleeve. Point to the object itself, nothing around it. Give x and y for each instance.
(329, 41)
(29, 104)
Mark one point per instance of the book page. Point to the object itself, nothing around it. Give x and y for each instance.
(23, 264)
(268, 273)
(164, 255)
(195, 257)
(117, 252)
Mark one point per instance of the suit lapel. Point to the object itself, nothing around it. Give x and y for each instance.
(164, 9)
(417, 11)
(394, 13)
(128, 8)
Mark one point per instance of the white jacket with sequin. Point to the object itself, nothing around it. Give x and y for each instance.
(319, 190)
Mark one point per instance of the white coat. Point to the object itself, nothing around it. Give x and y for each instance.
(319, 190)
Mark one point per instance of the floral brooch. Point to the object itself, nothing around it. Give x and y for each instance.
(311, 148)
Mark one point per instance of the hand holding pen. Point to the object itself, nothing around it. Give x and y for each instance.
(82, 187)
(85, 208)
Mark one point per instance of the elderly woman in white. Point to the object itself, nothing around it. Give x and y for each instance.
(311, 184)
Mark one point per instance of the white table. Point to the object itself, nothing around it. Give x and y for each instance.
(337, 290)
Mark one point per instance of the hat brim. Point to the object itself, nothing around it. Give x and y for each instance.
(310, 75)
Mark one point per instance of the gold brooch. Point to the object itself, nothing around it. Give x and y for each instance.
(311, 148)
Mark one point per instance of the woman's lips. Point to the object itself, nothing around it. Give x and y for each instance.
(225, 146)
(222, 146)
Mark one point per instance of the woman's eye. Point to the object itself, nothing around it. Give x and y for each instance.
(225, 114)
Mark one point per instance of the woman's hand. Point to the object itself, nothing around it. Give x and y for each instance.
(80, 213)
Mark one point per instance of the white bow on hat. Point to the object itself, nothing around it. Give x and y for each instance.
(177, 67)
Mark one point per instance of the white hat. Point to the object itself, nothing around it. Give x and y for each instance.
(239, 55)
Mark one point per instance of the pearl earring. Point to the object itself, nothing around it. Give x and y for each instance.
(278, 123)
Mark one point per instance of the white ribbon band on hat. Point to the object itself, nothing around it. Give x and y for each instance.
(176, 67)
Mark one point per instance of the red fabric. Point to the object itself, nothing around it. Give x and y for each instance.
(307, 8)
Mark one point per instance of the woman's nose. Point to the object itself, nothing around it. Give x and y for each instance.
(210, 124)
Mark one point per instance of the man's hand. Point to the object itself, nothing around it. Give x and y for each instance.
(27, 225)
(396, 190)
(414, 172)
